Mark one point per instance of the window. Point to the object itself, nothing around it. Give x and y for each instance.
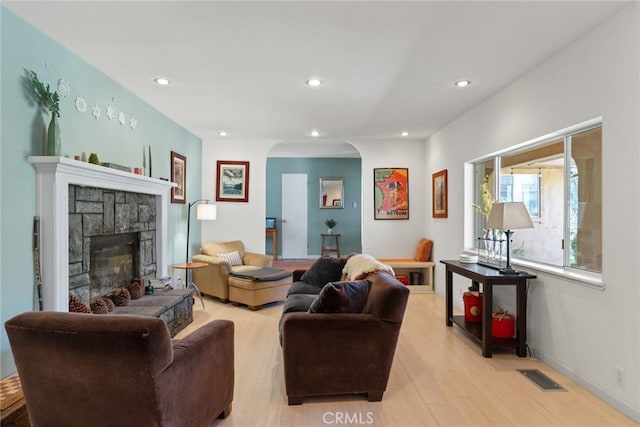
(559, 179)
(522, 187)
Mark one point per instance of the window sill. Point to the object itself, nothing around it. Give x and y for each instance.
(583, 278)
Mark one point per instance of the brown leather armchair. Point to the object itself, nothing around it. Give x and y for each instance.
(121, 370)
(213, 280)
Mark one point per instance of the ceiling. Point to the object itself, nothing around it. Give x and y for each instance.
(241, 66)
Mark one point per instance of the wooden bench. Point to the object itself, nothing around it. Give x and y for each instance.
(424, 267)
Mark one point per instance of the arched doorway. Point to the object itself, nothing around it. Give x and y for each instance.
(317, 160)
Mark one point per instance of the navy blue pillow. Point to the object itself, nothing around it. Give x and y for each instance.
(341, 297)
(323, 271)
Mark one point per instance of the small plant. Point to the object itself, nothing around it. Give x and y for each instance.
(93, 158)
(330, 223)
(487, 199)
(49, 100)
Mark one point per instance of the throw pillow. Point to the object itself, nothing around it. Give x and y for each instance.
(423, 251)
(323, 271)
(233, 258)
(341, 297)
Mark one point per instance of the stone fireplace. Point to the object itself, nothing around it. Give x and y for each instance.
(71, 198)
(112, 237)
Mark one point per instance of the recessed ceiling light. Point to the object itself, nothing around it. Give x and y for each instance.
(162, 81)
(223, 133)
(463, 83)
(404, 133)
(314, 133)
(314, 82)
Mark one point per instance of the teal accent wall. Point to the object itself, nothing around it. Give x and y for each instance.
(349, 219)
(22, 128)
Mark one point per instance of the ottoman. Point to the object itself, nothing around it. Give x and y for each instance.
(259, 287)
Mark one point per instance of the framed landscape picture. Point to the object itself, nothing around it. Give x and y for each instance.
(391, 193)
(232, 181)
(179, 176)
(439, 194)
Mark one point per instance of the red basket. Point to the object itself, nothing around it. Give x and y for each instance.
(403, 278)
(472, 306)
(503, 325)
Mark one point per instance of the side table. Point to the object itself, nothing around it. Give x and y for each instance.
(326, 240)
(189, 266)
(273, 233)
(482, 333)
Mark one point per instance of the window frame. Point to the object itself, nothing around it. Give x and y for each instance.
(587, 277)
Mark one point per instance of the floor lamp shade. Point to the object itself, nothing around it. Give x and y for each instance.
(206, 212)
(508, 216)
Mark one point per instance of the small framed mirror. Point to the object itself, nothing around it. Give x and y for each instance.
(331, 193)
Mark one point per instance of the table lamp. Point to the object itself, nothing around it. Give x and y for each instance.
(508, 216)
(205, 211)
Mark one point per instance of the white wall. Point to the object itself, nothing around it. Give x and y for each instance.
(237, 220)
(245, 221)
(393, 238)
(583, 332)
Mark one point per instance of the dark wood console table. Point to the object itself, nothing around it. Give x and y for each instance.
(489, 278)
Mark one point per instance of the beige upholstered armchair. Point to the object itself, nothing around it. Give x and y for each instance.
(213, 280)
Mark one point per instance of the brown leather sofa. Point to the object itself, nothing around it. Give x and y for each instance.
(121, 370)
(213, 280)
(341, 353)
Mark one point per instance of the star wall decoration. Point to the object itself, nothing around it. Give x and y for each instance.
(97, 112)
(133, 123)
(121, 118)
(81, 104)
(110, 112)
(63, 88)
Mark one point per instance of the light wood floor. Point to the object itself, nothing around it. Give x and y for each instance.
(439, 378)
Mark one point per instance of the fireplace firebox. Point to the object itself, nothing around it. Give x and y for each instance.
(114, 262)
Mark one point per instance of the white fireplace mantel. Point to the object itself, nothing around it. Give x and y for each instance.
(53, 176)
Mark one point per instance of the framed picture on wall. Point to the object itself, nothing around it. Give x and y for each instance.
(179, 176)
(391, 193)
(232, 181)
(439, 194)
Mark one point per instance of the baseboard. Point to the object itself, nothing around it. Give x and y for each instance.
(623, 407)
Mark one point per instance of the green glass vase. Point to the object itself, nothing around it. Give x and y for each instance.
(53, 138)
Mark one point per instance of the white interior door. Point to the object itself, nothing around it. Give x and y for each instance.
(294, 215)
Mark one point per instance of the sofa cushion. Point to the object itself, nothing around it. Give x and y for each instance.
(423, 251)
(233, 258)
(303, 288)
(323, 271)
(297, 303)
(341, 297)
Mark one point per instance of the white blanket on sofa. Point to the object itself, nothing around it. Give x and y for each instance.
(360, 265)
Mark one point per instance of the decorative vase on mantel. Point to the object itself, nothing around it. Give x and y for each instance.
(53, 138)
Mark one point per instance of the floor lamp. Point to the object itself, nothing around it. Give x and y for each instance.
(204, 211)
(509, 216)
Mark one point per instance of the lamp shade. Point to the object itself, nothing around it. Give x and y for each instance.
(206, 212)
(509, 216)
